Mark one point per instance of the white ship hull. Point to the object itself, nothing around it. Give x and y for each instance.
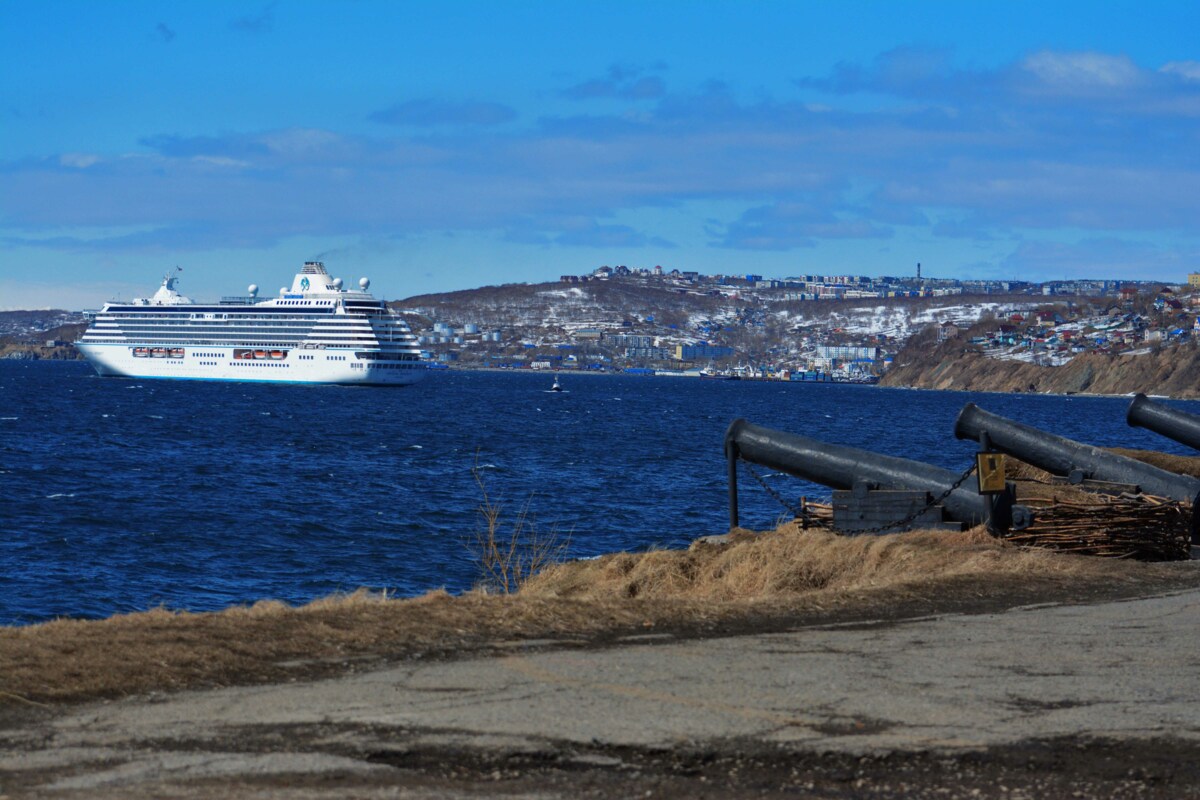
(316, 332)
(219, 363)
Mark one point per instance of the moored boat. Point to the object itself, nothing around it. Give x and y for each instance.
(344, 335)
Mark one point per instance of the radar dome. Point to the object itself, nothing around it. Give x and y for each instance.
(253, 289)
(364, 283)
(282, 290)
(337, 283)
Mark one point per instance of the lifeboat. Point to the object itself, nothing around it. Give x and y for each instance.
(159, 352)
(141, 352)
(276, 354)
(260, 353)
(176, 352)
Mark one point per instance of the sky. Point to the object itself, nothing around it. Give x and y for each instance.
(449, 145)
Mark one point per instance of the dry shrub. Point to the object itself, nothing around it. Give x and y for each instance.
(508, 557)
(788, 562)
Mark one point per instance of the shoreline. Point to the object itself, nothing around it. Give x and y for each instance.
(893, 576)
(620, 373)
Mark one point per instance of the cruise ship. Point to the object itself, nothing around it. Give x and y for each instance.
(315, 332)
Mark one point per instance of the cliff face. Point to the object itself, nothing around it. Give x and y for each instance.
(1172, 371)
(34, 352)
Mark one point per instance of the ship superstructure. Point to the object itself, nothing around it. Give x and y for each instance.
(317, 331)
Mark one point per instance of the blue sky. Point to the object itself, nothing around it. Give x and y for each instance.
(455, 144)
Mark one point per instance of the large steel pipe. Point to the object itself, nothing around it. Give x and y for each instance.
(1164, 420)
(1062, 456)
(841, 467)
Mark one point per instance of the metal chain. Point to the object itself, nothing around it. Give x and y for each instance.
(799, 513)
(934, 502)
(805, 517)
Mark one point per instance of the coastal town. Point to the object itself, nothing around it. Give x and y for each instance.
(815, 327)
(807, 328)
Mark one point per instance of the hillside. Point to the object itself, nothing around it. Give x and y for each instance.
(640, 322)
(1172, 370)
(547, 304)
(29, 331)
(618, 301)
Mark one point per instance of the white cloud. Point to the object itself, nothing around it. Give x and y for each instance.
(1189, 70)
(78, 160)
(1082, 71)
(297, 142)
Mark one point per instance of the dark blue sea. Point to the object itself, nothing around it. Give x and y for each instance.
(119, 495)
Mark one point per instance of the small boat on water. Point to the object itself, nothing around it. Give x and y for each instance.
(556, 387)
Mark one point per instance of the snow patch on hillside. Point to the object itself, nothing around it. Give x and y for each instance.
(564, 293)
(900, 322)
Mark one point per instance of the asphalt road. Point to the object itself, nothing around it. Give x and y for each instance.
(680, 718)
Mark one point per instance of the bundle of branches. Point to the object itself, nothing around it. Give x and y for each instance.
(1124, 526)
(819, 514)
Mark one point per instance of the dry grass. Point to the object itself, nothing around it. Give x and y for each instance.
(784, 575)
(166, 650)
(788, 562)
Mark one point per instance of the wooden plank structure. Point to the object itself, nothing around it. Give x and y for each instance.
(860, 510)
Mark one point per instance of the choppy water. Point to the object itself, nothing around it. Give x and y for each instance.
(118, 495)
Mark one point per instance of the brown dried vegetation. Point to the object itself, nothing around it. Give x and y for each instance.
(957, 365)
(789, 563)
(783, 575)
